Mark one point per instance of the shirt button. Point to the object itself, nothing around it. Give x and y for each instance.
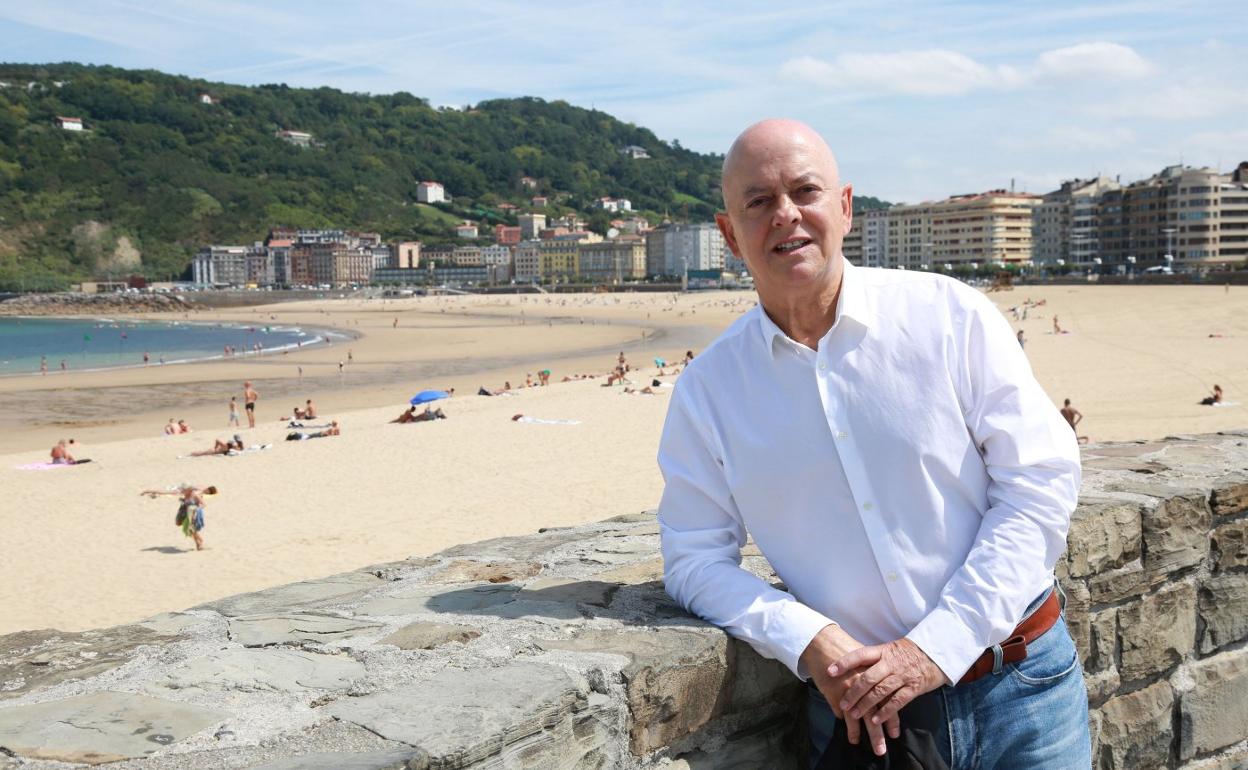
(867, 506)
(892, 577)
(822, 366)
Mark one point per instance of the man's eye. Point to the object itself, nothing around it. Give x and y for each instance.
(755, 203)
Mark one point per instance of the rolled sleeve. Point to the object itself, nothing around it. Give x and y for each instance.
(702, 534)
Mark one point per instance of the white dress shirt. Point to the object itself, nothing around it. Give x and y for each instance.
(910, 478)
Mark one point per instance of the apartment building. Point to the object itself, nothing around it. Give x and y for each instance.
(866, 243)
(910, 242)
(615, 261)
(672, 249)
(982, 228)
(220, 265)
(531, 225)
(527, 262)
(1066, 226)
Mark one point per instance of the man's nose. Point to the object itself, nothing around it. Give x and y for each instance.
(787, 212)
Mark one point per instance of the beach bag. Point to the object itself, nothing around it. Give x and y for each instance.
(181, 517)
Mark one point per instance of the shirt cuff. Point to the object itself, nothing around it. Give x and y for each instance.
(944, 637)
(792, 634)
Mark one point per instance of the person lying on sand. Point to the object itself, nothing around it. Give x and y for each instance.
(220, 447)
(332, 430)
(429, 414)
(407, 416)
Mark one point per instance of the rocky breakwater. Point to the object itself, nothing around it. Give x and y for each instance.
(561, 650)
(77, 303)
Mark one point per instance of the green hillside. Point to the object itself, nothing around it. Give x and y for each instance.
(157, 173)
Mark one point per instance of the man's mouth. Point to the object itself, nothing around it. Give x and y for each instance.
(792, 245)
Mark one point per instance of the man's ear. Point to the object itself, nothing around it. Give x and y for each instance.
(725, 227)
(847, 206)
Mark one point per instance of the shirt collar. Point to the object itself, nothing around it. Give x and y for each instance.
(851, 306)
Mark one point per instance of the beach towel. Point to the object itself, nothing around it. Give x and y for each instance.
(540, 421)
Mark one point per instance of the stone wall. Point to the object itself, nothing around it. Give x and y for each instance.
(561, 650)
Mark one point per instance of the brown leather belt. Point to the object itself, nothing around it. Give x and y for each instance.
(1014, 649)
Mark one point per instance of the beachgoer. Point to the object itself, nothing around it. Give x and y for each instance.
(902, 579)
(147, 358)
(543, 377)
(234, 411)
(407, 416)
(1072, 415)
(332, 430)
(171, 427)
(183, 427)
(220, 447)
(61, 455)
(191, 514)
(1057, 327)
(64, 367)
(43, 364)
(429, 414)
(350, 356)
(1022, 341)
(309, 410)
(250, 396)
(1213, 398)
(688, 357)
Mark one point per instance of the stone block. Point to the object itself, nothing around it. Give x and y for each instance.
(469, 571)
(1214, 714)
(422, 600)
(1230, 545)
(1176, 533)
(101, 727)
(268, 670)
(1230, 495)
(1103, 535)
(32, 660)
(309, 593)
(1118, 584)
(565, 591)
(522, 715)
(426, 635)
(1078, 605)
(772, 744)
(1103, 652)
(646, 571)
(1137, 729)
(1102, 684)
(386, 759)
(295, 628)
(1224, 610)
(676, 680)
(1158, 631)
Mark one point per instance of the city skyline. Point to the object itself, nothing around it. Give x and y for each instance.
(919, 102)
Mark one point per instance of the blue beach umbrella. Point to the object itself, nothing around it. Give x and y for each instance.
(425, 396)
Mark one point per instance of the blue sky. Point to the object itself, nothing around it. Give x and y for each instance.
(919, 100)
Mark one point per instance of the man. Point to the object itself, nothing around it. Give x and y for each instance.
(249, 403)
(1072, 415)
(911, 484)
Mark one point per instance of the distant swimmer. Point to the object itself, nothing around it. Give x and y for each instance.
(43, 364)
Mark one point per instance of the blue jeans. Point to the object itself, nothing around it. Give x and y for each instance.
(1031, 716)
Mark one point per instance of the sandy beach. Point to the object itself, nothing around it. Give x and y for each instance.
(83, 549)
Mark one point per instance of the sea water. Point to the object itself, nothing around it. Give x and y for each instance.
(98, 343)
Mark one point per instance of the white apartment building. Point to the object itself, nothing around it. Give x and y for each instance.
(531, 225)
(220, 265)
(430, 192)
(685, 247)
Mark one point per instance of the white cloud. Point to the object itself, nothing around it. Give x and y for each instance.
(941, 72)
(1177, 102)
(1104, 60)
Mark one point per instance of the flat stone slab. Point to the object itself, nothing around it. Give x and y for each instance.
(568, 591)
(463, 716)
(426, 599)
(470, 571)
(425, 635)
(294, 628)
(395, 759)
(32, 660)
(277, 670)
(287, 597)
(101, 727)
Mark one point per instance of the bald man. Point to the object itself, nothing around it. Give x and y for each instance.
(911, 484)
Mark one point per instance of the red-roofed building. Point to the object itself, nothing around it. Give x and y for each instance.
(69, 124)
(430, 192)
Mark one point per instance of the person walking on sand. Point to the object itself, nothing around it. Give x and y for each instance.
(234, 411)
(250, 396)
(1057, 327)
(190, 509)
